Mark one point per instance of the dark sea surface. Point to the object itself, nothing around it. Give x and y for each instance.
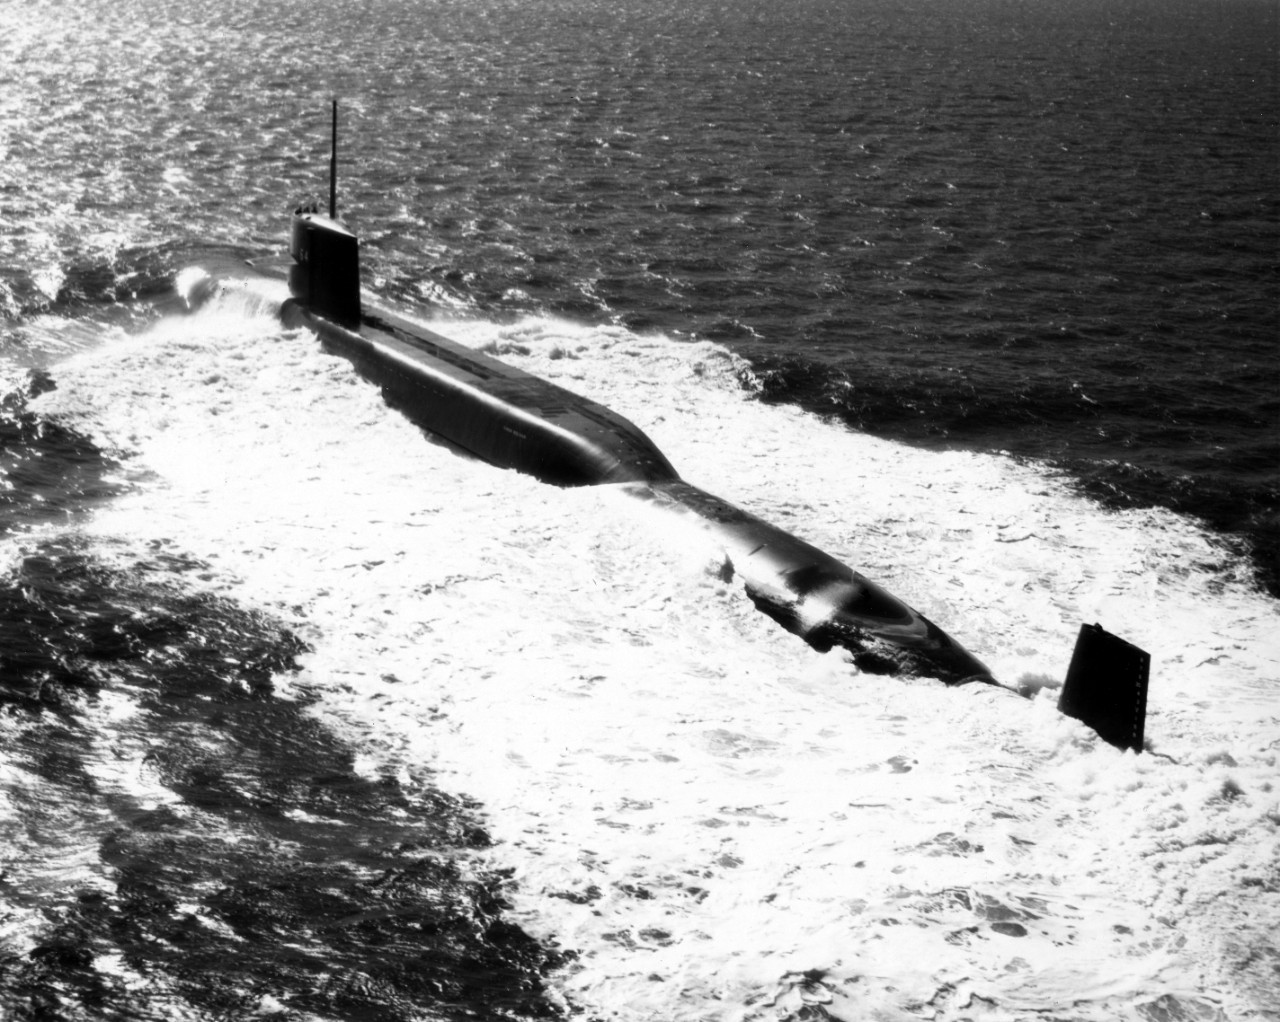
(972, 226)
(1051, 232)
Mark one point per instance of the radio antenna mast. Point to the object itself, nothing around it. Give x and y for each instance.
(333, 166)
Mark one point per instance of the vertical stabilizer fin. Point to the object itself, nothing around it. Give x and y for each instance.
(1106, 687)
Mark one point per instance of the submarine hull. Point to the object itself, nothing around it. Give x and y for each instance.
(512, 419)
(818, 597)
(490, 409)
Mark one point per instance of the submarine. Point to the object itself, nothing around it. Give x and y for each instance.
(509, 418)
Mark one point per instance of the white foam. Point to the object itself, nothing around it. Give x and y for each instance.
(724, 823)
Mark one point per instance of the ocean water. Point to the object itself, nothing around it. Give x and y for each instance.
(307, 717)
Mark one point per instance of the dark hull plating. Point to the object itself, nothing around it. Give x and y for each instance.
(490, 409)
(818, 597)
